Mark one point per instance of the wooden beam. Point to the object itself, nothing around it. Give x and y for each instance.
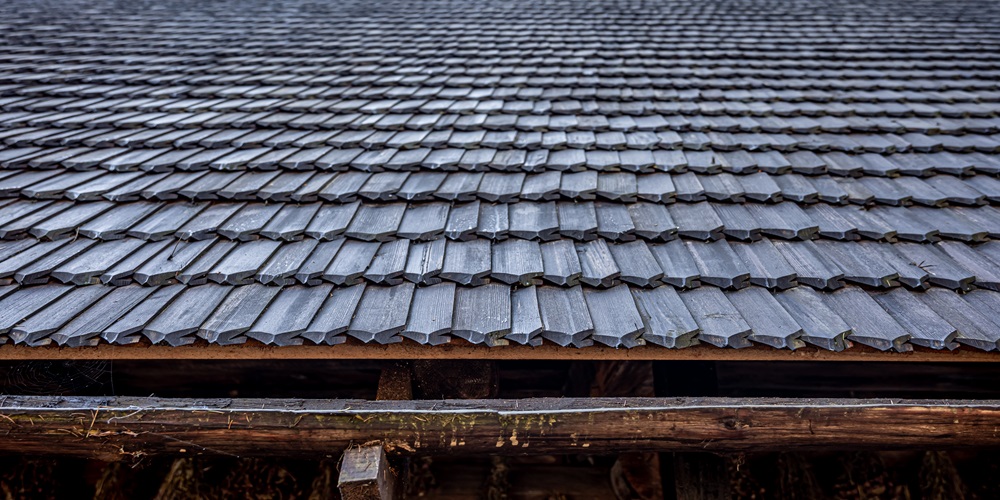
(115, 428)
(365, 475)
(460, 349)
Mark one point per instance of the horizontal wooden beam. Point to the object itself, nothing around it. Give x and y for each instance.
(117, 428)
(460, 349)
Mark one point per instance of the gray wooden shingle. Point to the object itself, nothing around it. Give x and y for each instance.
(335, 315)
(381, 314)
(431, 314)
(821, 326)
(86, 326)
(870, 324)
(565, 317)
(483, 314)
(236, 314)
(185, 314)
(719, 321)
(517, 261)
(34, 331)
(617, 322)
(289, 314)
(770, 323)
(526, 319)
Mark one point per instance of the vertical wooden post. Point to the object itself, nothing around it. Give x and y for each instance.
(701, 476)
(455, 379)
(634, 475)
(691, 476)
(365, 475)
(395, 382)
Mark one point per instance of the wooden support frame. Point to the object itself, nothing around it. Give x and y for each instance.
(110, 428)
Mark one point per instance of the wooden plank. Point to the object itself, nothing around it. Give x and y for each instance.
(365, 475)
(116, 428)
(462, 349)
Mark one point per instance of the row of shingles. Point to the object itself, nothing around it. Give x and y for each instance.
(603, 62)
(452, 150)
(769, 263)
(476, 65)
(233, 148)
(418, 52)
(788, 112)
(774, 32)
(419, 45)
(790, 18)
(496, 314)
(528, 220)
(307, 186)
(285, 83)
(590, 132)
(947, 103)
(822, 130)
(826, 131)
(772, 36)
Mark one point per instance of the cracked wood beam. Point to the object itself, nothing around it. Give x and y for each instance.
(117, 428)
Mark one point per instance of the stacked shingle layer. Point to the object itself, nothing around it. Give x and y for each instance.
(574, 172)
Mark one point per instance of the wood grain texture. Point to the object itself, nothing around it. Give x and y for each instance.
(365, 475)
(111, 429)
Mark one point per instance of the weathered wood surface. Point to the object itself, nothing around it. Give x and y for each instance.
(110, 428)
(365, 475)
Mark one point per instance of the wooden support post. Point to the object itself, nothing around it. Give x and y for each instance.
(396, 382)
(687, 475)
(458, 379)
(635, 475)
(365, 475)
(701, 476)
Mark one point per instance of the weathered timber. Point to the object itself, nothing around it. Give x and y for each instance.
(110, 428)
(365, 475)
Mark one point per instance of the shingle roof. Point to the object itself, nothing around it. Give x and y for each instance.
(573, 172)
